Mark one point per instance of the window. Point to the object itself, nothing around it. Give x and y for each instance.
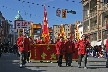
(51, 33)
(35, 31)
(105, 1)
(81, 32)
(68, 34)
(68, 26)
(38, 31)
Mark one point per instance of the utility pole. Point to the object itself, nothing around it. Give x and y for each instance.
(99, 25)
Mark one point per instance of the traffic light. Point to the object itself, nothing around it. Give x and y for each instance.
(63, 13)
(58, 12)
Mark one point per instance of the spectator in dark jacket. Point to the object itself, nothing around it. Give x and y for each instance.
(15, 49)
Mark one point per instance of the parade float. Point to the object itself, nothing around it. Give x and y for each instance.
(42, 52)
(47, 52)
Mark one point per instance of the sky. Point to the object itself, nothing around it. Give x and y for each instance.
(36, 11)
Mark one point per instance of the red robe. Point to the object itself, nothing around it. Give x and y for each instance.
(70, 47)
(23, 46)
(60, 46)
(107, 45)
(82, 45)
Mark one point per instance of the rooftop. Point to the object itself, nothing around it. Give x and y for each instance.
(18, 16)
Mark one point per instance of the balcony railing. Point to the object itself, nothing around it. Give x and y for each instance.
(93, 27)
(105, 7)
(104, 23)
(94, 13)
(86, 30)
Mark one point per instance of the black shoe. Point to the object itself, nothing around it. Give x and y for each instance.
(79, 66)
(60, 65)
(66, 65)
(69, 65)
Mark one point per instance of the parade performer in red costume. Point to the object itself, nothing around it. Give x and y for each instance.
(82, 46)
(69, 50)
(23, 47)
(60, 48)
(107, 51)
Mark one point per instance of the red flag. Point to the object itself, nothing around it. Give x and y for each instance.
(45, 27)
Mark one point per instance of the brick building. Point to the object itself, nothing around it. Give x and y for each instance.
(4, 29)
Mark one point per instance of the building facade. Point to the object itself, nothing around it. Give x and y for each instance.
(95, 16)
(68, 28)
(1, 29)
(56, 31)
(51, 33)
(4, 29)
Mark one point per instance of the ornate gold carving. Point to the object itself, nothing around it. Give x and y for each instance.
(53, 56)
(35, 51)
(48, 47)
(43, 55)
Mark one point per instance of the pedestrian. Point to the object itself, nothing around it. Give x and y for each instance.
(69, 51)
(60, 48)
(15, 48)
(28, 57)
(82, 46)
(104, 52)
(23, 47)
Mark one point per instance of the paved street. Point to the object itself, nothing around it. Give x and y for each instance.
(9, 63)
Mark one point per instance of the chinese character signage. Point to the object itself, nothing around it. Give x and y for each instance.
(22, 24)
